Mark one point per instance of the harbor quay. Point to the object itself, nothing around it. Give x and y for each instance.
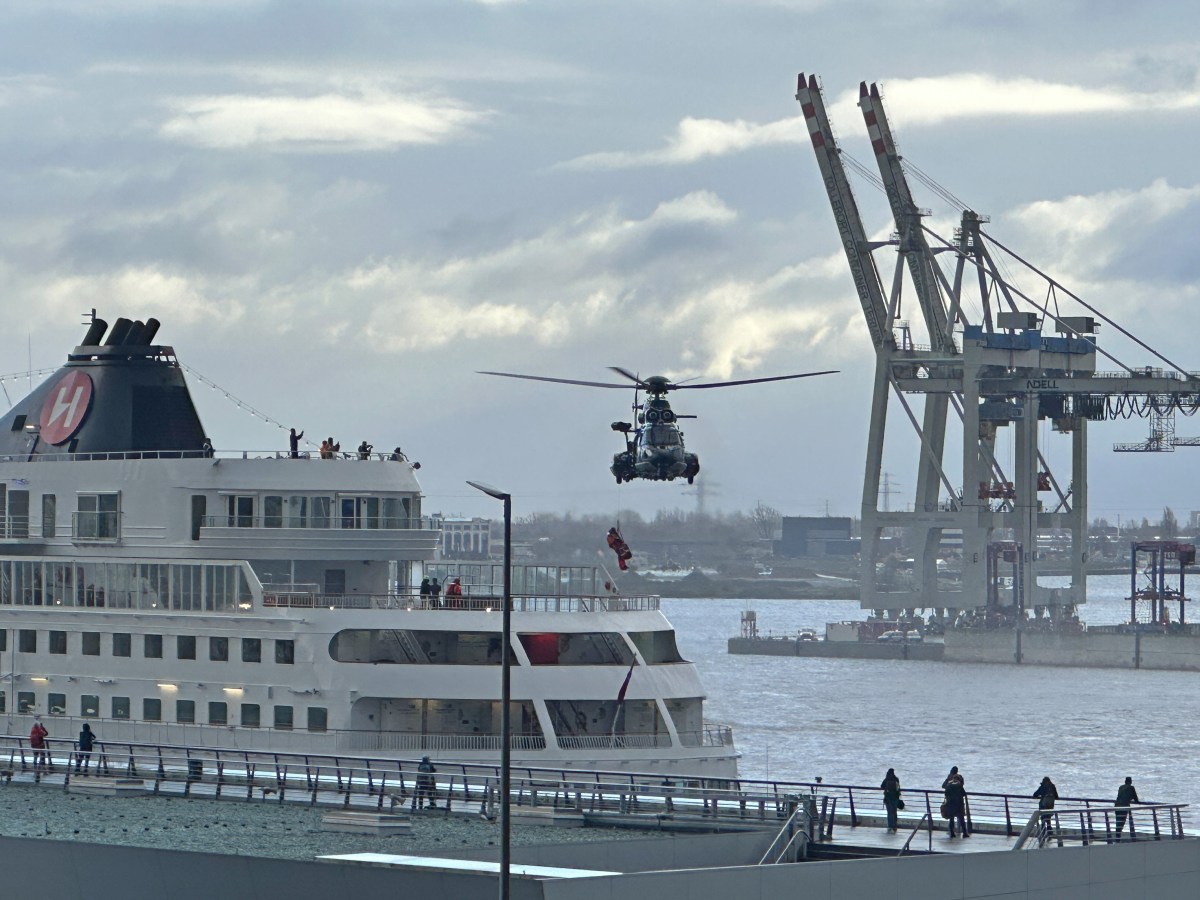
(642, 837)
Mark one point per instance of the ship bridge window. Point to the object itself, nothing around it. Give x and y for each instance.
(241, 511)
(577, 649)
(309, 512)
(97, 517)
(656, 647)
(272, 512)
(403, 647)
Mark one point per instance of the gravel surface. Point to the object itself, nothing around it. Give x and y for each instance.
(287, 831)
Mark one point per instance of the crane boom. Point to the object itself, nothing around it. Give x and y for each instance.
(845, 213)
(913, 244)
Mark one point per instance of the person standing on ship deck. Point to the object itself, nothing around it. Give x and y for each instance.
(891, 797)
(435, 594)
(955, 805)
(294, 443)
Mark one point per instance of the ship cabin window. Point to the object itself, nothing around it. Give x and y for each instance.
(218, 712)
(122, 644)
(284, 717)
(152, 646)
(56, 704)
(272, 512)
(152, 709)
(89, 705)
(49, 515)
(97, 517)
(251, 650)
(285, 652)
(218, 649)
(688, 715)
(26, 701)
(19, 422)
(656, 647)
(241, 511)
(591, 723)
(27, 640)
(185, 711)
(3, 702)
(250, 715)
(318, 718)
(58, 642)
(185, 646)
(448, 648)
(120, 707)
(17, 520)
(577, 649)
(91, 643)
(3, 640)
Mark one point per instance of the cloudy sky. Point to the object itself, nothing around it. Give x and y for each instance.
(341, 211)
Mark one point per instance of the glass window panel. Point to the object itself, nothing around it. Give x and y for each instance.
(283, 716)
(26, 701)
(27, 640)
(58, 642)
(152, 709)
(320, 512)
(185, 646)
(272, 512)
(318, 718)
(120, 707)
(89, 705)
(91, 643)
(185, 711)
(250, 715)
(218, 712)
(285, 652)
(49, 515)
(152, 646)
(218, 649)
(251, 650)
(297, 512)
(122, 644)
(56, 704)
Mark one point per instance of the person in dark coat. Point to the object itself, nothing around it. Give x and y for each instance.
(435, 594)
(425, 785)
(1045, 795)
(294, 443)
(1126, 794)
(955, 804)
(891, 797)
(426, 591)
(86, 740)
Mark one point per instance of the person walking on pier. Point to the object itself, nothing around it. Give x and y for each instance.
(955, 804)
(891, 797)
(1126, 794)
(1045, 795)
(87, 739)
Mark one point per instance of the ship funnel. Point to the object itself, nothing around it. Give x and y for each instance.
(133, 337)
(94, 333)
(152, 326)
(120, 329)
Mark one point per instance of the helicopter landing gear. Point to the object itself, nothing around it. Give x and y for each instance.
(691, 479)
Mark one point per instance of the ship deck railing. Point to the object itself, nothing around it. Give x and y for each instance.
(476, 598)
(301, 456)
(619, 797)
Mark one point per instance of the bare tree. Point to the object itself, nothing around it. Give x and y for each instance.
(766, 520)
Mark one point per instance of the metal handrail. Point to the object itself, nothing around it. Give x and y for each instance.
(1087, 819)
(924, 818)
(790, 830)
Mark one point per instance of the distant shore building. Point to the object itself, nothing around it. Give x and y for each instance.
(816, 536)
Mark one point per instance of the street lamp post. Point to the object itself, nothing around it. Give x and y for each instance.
(505, 691)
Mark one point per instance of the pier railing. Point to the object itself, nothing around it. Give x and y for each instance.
(374, 783)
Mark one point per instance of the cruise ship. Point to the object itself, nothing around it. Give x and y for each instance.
(171, 593)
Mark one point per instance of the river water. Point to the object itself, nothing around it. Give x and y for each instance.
(1004, 726)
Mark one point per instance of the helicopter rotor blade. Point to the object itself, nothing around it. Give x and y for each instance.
(714, 384)
(599, 384)
(634, 378)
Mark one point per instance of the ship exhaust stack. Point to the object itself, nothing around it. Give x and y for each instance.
(120, 329)
(133, 338)
(95, 333)
(152, 326)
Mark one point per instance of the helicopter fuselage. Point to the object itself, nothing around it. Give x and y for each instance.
(655, 450)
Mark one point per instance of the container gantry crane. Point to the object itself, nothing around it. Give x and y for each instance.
(1004, 378)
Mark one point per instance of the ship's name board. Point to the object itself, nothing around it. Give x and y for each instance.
(1041, 384)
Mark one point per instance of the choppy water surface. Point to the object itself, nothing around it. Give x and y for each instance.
(1004, 726)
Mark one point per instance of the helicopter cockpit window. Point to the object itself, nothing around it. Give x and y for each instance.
(663, 434)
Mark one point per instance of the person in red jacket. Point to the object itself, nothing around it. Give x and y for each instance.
(618, 545)
(37, 740)
(454, 594)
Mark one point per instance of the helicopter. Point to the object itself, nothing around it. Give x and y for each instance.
(653, 442)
